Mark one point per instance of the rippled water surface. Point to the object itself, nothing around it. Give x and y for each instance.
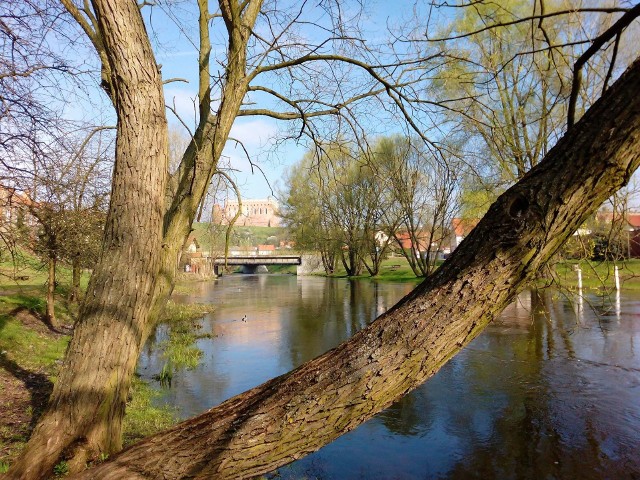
(550, 390)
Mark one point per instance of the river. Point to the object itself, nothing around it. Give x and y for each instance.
(550, 390)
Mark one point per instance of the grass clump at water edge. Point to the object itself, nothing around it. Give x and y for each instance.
(30, 357)
(143, 418)
(180, 349)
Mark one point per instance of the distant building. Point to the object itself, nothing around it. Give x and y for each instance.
(460, 228)
(192, 245)
(629, 225)
(242, 251)
(254, 213)
(406, 242)
(266, 250)
(15, 207)
(628, 220)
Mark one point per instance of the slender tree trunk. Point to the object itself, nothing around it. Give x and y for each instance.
(76, 272)
(51, 293)
(86, 407)
(299, 412)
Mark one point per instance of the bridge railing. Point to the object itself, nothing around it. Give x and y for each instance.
(259, 260)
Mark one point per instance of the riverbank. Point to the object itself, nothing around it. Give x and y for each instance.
(563, 275)
(31, 354)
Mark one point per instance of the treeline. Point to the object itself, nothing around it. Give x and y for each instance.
(354, 205)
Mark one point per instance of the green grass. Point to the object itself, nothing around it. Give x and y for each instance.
(61, 469)
(23, 280)
(26, 351)
(34, 351)
(142, 417)
(393, 269)
(29, 349)
(25, 269)
(283, 269)
(596, 275)
(240, 236)
(175, 313)
(180, 350)
(396, 269)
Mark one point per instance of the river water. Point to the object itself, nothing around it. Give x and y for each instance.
(551, 390)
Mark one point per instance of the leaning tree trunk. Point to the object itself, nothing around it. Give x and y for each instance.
(299, 412)
(85, 410)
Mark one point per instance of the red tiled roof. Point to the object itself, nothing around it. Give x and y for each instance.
(462, 226)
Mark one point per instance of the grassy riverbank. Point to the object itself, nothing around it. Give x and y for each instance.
(31, 354)
(595, 275)
(393, 269)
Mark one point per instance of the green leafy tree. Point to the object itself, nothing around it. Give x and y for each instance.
(422, 190)
(303, 214)
(337, 203)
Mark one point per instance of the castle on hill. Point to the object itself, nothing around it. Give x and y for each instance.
(254, 213)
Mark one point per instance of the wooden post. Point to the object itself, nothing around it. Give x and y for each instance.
(579, 270)
(617, 277)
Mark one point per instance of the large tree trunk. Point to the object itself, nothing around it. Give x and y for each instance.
(85, 409)
(143, 238)
(299, 412)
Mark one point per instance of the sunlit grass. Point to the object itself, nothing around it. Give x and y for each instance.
(142, 418)
(179, 350)
(597, 275)
(29, 349)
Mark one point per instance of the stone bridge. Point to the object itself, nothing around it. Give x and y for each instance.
(250, 263)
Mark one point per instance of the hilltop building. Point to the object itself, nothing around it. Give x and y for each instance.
(255, 213)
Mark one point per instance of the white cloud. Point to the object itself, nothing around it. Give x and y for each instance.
(254, 133)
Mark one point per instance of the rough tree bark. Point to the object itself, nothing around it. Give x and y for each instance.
(299, 412)
(88, 400)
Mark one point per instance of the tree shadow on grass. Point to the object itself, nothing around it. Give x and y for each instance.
(30, 314)
(36, 383)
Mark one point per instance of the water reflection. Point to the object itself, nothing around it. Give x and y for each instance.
(550, 390)
(264, 326)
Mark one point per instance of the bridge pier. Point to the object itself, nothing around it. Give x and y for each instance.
(250, 269)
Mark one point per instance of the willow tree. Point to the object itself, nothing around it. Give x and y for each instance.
(512, 105)
(151, 212)
(422, 192)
